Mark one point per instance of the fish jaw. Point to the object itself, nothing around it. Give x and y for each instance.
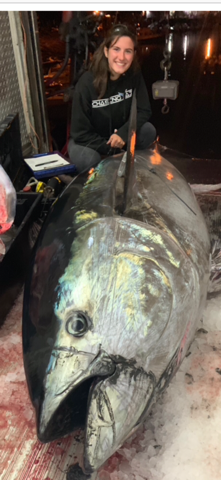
(115, 406)
(67, 370)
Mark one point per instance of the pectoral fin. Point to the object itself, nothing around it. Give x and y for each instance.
(115, 406)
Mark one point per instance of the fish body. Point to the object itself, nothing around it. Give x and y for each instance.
(112, 301)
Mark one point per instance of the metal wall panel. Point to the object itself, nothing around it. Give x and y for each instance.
(10, 97)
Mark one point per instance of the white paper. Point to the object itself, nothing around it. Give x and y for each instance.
(46, 162)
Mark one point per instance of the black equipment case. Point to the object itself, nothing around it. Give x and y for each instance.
(17, 240)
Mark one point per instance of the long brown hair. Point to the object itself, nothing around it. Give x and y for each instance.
(99, 64)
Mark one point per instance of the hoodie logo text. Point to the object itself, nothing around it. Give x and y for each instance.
(104, 102)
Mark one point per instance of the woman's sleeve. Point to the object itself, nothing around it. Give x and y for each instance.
(82, 131)
(143, 108)
(143, 103)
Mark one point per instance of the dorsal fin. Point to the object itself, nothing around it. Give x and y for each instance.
(126, 168)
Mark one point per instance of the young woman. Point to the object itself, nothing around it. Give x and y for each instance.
(102, 101)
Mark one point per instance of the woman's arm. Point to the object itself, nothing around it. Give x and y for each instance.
(82, 131)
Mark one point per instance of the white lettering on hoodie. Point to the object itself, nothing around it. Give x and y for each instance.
(104, 102)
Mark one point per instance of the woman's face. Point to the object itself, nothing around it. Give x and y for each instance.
(120, 56)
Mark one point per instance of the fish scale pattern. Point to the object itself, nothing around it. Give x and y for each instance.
(10, 98)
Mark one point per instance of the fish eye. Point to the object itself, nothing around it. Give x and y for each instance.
(77, 324)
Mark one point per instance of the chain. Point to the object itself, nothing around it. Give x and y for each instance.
(165, 65)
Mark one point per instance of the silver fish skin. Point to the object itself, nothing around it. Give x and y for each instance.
(129, 300)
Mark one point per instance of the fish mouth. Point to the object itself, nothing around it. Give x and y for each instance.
(104, 395)
(68, 379)
(115, 408)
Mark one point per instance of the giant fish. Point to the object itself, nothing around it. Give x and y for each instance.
(115, 291)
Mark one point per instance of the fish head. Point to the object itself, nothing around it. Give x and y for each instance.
(114, 302)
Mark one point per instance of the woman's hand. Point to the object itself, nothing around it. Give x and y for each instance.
(115, 141)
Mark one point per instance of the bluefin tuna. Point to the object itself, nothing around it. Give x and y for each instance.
(115, 292)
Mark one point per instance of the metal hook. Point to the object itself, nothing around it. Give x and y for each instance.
(165, 109)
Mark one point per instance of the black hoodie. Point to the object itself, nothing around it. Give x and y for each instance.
(94, 121)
